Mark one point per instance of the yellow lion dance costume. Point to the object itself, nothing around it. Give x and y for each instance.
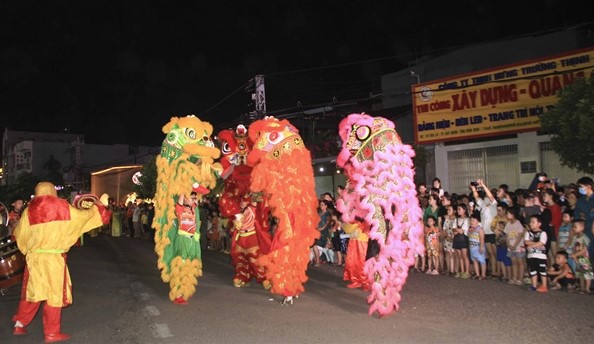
(283, 172)
(185, 164)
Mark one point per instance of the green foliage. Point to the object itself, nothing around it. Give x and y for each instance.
(148, 180)
(52, 171)
(23, 188)
(571, 124)
(420, 158)
(420, 162)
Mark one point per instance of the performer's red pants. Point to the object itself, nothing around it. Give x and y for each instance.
(27, 310)
(51, 316)
(354, 263)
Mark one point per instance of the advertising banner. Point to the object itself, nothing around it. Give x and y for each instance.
(497, 101)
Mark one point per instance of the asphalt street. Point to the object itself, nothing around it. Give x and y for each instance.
(120, 298)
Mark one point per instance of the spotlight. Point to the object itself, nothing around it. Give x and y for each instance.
(321, 169)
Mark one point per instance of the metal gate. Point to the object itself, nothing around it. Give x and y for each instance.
(496, 165)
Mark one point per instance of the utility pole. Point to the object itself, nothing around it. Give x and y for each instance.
(415, 75)
(78, 162)
(259, 96)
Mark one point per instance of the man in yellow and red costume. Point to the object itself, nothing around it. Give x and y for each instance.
(46, 231)
(250, 241)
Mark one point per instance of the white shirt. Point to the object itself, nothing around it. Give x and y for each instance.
(536, 252)
(136, 214)
(488, 212)
(463, 223)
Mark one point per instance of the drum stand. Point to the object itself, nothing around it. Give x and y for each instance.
(12, 265)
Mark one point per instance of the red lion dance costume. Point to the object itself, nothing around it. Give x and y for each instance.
(381, 191)
(235, 146)
(250, 238)
(283, 173)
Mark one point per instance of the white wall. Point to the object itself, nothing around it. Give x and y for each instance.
(328, 183)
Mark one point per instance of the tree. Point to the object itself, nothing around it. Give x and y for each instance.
(571, 124)
(420, 163)
(148, 180)
(22, 188)
(53, 172)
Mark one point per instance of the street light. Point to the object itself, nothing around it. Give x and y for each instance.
(413, 74)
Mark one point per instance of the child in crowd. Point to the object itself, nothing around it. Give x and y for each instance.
(460, 243)
(503, 259)
(420, 257)
(215, 232)
(476, 241)
(419, 262)
(566, 236)
(432, 245)
(501, 215)
(448, 235)
(144, 220)
(561, 272)
(580, 255)
(224, 234)
(530, 207)
(335, 233)
(514, 232)
(535, 240)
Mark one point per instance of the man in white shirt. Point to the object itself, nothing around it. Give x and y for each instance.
(487, 205)
(138, 231)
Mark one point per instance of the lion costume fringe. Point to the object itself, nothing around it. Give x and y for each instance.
(185, 164)
(380, 189)
(283, 172)
(250, 238)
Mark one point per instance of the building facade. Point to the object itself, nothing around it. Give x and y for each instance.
(67, 154)
(513, 158)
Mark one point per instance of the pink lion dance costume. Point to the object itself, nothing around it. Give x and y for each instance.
(283, 173)
(250, 237)
(380, 189)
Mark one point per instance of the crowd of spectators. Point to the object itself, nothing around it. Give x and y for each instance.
(135, 218)
(539, 236)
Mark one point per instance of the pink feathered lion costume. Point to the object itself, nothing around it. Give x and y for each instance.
(380, 189)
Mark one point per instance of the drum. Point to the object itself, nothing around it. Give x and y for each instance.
(12, 264)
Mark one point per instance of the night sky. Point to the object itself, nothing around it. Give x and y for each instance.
(116, 71)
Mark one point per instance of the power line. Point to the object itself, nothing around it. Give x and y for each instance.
(319, 93)
(302, 108)
(320, 82)
(429, 51)
(228, 96)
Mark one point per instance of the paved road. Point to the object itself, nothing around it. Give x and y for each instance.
(119, 298)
